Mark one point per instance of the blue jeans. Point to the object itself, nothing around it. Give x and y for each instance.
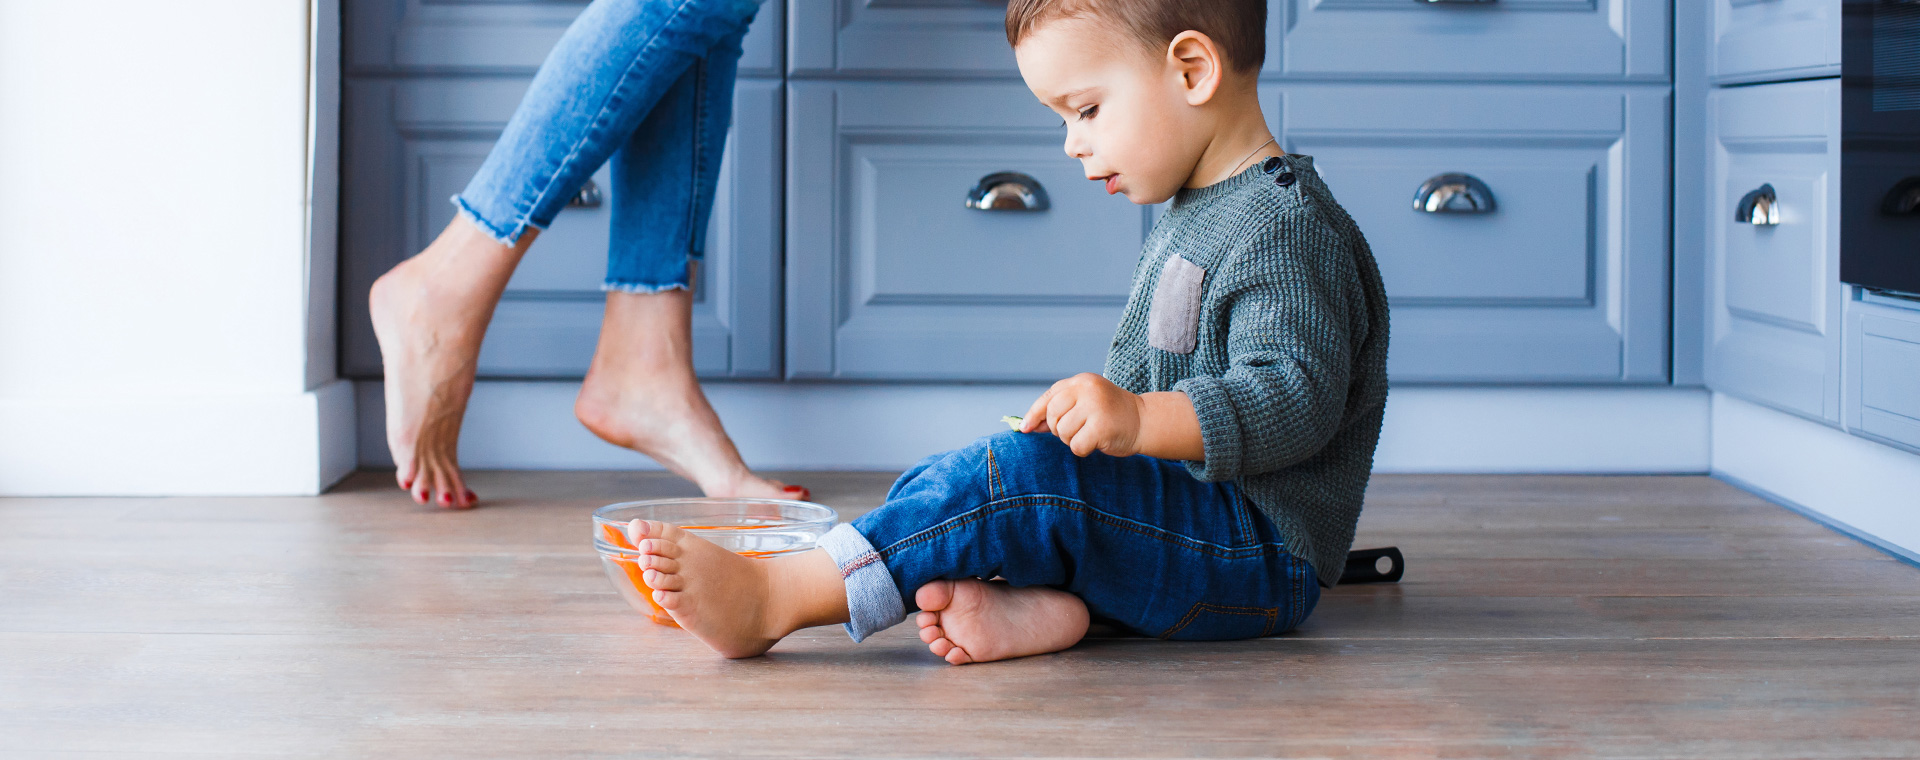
(1148, 547)
(647, 84)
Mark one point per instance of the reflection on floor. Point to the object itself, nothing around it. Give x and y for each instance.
(1642, 616)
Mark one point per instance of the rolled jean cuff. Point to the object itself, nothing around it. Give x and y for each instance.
(873, 602)
(503, 236)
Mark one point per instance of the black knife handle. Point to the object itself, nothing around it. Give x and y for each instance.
(1363, 566)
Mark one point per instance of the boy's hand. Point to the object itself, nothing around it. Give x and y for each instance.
(1089, 413)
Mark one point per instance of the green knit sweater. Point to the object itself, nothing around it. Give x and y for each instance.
(1259, 299)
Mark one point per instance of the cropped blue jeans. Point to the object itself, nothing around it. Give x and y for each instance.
(1149, 548)
(648, 85)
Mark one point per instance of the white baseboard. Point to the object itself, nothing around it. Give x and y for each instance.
(802, 426)
(290, 444)
(1861, 488)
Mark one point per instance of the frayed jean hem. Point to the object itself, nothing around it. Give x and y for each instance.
(504, 236)
(873, 603)
(643, 287)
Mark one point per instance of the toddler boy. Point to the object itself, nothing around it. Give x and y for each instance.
(1208, 483)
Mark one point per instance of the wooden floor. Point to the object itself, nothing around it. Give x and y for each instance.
(1540, 617)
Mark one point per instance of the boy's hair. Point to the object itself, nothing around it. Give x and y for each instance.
(1239, 27)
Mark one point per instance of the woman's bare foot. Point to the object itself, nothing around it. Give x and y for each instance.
(429, 314)
(980, 621)
(737, 605)
(641, 394)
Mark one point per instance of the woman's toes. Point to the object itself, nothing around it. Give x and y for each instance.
(660, 581)
(934, 596)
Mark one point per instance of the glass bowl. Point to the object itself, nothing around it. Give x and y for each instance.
(753, 527)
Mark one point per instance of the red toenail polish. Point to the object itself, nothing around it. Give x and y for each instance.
(446, 498)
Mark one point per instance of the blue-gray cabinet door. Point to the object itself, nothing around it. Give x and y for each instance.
(1526, 40)
(409, 143)
(1883, 369)
(891, 276)
(1773, 290)
(1773, 40)
(942, 38)
(497, 36)
(1563, 281)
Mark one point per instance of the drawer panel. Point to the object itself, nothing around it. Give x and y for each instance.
(1507, 40)
(1513, 39)
(410, 144)
(1770, 40)
(1564, 281)
(1883, 368)
(504, 36)
(1773, 291)
(891, 276)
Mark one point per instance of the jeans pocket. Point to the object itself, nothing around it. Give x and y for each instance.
(1220, 622)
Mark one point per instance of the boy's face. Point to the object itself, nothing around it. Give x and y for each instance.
(1127, 112)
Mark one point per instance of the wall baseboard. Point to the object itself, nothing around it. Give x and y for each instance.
(294, 444)
(805, 426)
(1863, 489)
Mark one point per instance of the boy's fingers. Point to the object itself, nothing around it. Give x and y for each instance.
(1036, 413)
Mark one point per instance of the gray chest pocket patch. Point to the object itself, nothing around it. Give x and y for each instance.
(1173, 318)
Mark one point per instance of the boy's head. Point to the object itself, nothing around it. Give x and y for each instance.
(1146, 87)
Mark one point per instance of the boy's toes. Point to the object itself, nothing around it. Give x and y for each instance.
(940, 647)
(957, 656)
(934, 596)
(659, 562)
(931, 633)
(924, 619)
(659, 547)
(660, 581)
(668, 600)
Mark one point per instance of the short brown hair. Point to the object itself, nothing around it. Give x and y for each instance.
(1239, 27)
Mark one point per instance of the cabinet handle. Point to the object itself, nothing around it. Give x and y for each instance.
(588, 197)
(1760, 208)
(1903, 199)
(1454, 194)
(1007, 191)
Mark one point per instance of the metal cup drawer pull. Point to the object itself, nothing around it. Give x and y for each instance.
(588, 197)
(1903, 199)
(1760, 208)
(1454, 194)
(1007, 191)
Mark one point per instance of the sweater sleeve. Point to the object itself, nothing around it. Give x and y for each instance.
(1290, 353)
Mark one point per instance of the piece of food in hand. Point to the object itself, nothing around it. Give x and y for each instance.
(1013, 421)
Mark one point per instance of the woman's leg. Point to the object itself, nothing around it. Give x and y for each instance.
(641, 392)
(1135, 542)
(431, 311)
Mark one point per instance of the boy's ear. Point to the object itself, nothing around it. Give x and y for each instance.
(1197, 61)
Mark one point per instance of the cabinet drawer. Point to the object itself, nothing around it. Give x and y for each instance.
(891, 276)
(1774, 290)
(383, 36)
(1513, 39)
(1767, 40)
(1564, 281)
(410, 144)
(1508, 40)
(1883, 365)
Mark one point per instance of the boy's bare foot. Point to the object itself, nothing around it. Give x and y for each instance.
(641, 394)
(979, 621)
(429, 314)
(737, 605)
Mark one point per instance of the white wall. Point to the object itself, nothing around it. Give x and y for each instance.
(155, 319)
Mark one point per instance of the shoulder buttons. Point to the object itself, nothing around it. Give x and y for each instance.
(1272, 164)
(1284, 180)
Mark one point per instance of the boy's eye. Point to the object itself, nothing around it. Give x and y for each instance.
(1087, 113)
